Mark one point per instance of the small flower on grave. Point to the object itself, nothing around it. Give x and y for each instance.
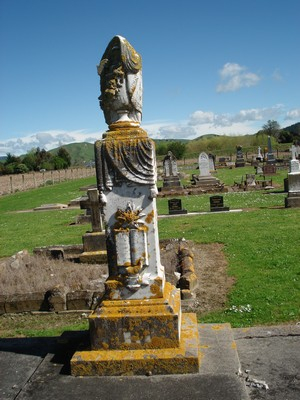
(240, 309)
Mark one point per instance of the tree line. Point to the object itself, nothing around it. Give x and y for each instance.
(36, 160)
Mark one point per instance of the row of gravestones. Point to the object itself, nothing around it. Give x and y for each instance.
(216, 204)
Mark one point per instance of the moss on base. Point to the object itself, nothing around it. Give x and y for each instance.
(183, 359)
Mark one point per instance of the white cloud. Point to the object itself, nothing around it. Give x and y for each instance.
(200, 122)
(201, 117)
(293, 115)
(258, 114)
(234, 77)
(46, 139)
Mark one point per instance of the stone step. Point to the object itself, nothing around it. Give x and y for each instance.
(50, 378)
(218, 349)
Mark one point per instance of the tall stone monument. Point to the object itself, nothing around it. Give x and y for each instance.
(293, 198)
(270, 167)
(138, 327)
(270, 156)
(239, 160)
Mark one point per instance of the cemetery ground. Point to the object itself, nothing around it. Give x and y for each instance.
(252, 256)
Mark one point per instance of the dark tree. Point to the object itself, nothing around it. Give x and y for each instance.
(177, 148)
(65, 155)
(272, 128)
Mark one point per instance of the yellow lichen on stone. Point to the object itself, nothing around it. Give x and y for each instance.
(149, 217)
(183, 359)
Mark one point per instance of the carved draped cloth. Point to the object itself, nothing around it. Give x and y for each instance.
(119, 161)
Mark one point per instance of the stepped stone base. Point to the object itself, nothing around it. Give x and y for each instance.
(293, 200)
(183, 359)
(93, 257)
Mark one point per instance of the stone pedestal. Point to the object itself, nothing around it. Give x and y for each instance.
(293, 198)
(171, 182)
(94, 248)
(182, 359)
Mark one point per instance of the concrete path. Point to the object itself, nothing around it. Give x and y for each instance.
(38, 368)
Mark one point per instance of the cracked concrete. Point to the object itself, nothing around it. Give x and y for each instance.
(270, 361)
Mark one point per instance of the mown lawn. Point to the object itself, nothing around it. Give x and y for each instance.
(261, 243)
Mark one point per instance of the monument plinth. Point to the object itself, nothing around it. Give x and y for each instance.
(293, 198)
(138, 327)
(171, 181)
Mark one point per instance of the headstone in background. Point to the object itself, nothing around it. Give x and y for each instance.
(270, 156)
(170, 175)
(205, 181)
(293, 182)
(259, 156)
(94, 242)
(269, 169)
(259, 170)
(217, 203)
(175, 207)
(250, 180)
(211, 160)
(204, 164)
(239, 160)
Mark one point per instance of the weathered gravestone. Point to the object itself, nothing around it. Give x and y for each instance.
(211, 160)
(138, 328)
(204, 164)
(239, 161)
(259, 156)
(175, 207)
(293, 182)
(170, 176)
(270, 156)
(205, 181)
(269, 169)
(94, 242)
(217, 203)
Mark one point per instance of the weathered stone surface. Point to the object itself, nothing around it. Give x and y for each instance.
(25, 302)
(79, 300)
(54, 206)
(2, 304)
(132, 324)
(94, 241)
(182, 359)
(56, 299)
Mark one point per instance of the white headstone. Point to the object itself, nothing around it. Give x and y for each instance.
(204, 164)
(259, 155)
(293, 150)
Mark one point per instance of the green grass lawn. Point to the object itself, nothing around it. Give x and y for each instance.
(261, 244)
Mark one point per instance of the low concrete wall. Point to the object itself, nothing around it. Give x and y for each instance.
(52, 300)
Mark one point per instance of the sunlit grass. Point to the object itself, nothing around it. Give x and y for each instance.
(261, 243)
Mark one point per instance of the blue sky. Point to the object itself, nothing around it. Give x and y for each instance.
(217, 66)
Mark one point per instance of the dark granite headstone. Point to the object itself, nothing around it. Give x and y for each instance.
(240, 161)
(269, 169)
(175, 207)
(217, 204)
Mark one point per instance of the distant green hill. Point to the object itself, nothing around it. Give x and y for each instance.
(81, 153)
(204, 137)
